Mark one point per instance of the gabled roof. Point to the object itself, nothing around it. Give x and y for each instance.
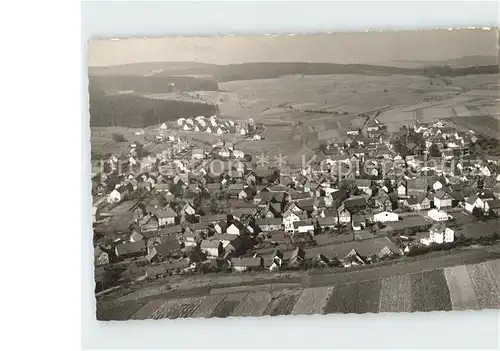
(485, 194)
(363, 183)
(330, 220)
(213, 218)
(209, 244)
(268, 221)
(306, 222)
(166, 213)
(131, 248)
(247, 262)
(442, 195)
(493, 204)
(438, 227)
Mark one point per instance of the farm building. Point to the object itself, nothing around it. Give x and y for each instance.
(247, 263)
(438, 215)
(385, 216)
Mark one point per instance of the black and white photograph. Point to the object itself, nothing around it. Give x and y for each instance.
(295, 174)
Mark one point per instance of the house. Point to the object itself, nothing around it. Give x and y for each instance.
(135, 237)
(235, 228)
(326, 223)
(358, 222)
(355, 203)
(485, 195)
(188, 209)
(238, 154)
(353, 258)
(401, 188)
(492, 206)
(385, 216)
(440, 233)
(198, 154)
(363, 184)
(289, 218)
(213, 218)
(352, 131)
(269, 224)
(478, 200)
(417, 186)
(304, 226)
(132, 249)
(344, 214)
(118, 194)
(190, 239)
(166, 217)
(212, 248)
(438, 215)
(224, 152)
(295, 257)
(167, 248)
(247, 264)
(442, 199)
(149, 223)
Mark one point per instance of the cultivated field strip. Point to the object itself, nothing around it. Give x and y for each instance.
(147, 311)
(429, 292)
(494, 268)
(207, 305)
(121, 312)
(253, 304)
(312, 301)
(484, 286)
(462, 293)
(282, 302)
(470, 287)
(395, 294)
(225, 307)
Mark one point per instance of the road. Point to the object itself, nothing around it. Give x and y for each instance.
(317, 278)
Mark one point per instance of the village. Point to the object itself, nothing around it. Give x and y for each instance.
(375, 197)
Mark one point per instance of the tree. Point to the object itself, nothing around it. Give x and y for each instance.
(434, 151)
(477, 212)
(197, 255)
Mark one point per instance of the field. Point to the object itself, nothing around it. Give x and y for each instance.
(326, 105)
(463, 287)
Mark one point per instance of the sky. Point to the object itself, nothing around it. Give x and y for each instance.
(342, 47)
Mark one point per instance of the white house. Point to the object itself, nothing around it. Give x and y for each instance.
(118, 194)
(256, 137)
(181, 121)
(163, 126)
(438, 215)
(305, 226)
(344, 215)
(224, 152)
(233, 229)
(196, 129)
(186, 127)
(288, 219)
(440, 233)
(442, 199)
(210, 247)
(238, 154)
(208, 130)
(243, 131)
(385, 216)
(220, 131)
